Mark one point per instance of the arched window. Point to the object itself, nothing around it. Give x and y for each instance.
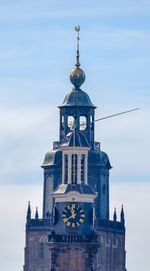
(41, 250)
(82, 168)
(74, 169)
(70, 122)
(83, 123)
(62, 120)
(92, 122)
(104, 189)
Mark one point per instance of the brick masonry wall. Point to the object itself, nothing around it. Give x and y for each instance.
(37, 254)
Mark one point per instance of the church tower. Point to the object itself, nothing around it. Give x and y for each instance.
(75, 232)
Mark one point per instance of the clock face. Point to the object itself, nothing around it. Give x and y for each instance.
(73, 215)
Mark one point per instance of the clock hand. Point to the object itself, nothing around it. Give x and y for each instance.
(72, 216)
(72, 210)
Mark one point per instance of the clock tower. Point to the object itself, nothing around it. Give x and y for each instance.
(75, 232)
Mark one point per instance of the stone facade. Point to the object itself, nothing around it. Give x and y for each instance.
(37, 255)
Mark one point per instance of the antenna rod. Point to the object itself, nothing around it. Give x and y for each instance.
(114, 115)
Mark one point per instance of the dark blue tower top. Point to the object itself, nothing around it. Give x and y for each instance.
(77, 97)
(77, 107)
(76, 159)
(75, 138)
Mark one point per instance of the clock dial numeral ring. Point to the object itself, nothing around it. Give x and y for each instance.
(73, 215)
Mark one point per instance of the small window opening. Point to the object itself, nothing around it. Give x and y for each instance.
(92, 122)
(104, 189)
(62, 120)
(70, 122)
(83, 123)
(41, 250)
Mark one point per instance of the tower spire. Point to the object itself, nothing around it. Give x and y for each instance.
(77, 29)
(36, 213)
(77, 76)
(28, 212)
(115, 215)
(122, 215)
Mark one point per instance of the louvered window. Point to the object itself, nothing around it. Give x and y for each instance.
(82, 168)
(66, 169)
(74, 169)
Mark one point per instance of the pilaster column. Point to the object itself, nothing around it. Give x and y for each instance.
(65, 124)
(79, 169)
(63, 168)
(85, 169)
(69, 168)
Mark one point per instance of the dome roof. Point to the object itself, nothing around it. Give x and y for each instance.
(52, 158)
(78, 98)
(75, 138)
(98, 158)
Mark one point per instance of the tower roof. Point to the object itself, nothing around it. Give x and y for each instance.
(52, 158)
(77, 75)
(75, 138)
(77, 97)
(80, 188)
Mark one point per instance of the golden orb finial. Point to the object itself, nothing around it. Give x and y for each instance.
(77, 76)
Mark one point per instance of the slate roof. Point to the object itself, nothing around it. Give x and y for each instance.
(80, 188)
(52, 158)
(95, 157)
(75, 138)
(77, 97)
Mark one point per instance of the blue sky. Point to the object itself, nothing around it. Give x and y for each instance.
(37, 53)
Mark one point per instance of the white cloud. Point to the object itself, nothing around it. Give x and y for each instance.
(126, 139)
(26, 134)
(13, 214)
(135, 198)
(17, 122)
